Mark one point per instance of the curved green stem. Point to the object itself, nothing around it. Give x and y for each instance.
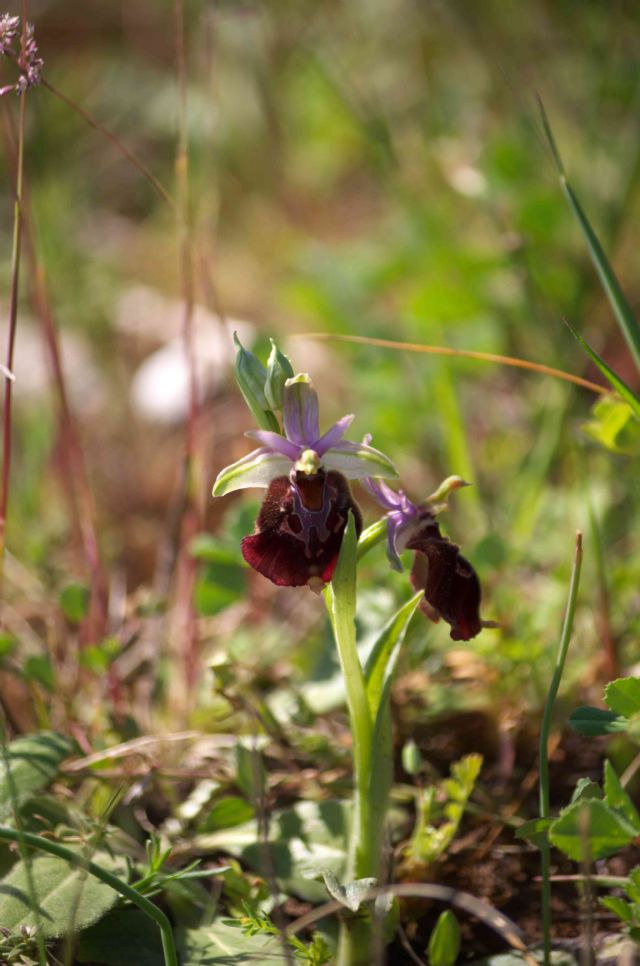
(123, 888)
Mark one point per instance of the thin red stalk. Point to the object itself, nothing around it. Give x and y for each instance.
(77, 490)
(122, 148)
(13, 321)
(191, 516)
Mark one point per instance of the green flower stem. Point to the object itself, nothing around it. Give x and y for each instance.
(563, 647)
(340, 596)
(365, 845)
(370, 537)
(125, 890)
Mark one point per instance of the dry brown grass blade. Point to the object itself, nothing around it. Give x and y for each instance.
(437, 350)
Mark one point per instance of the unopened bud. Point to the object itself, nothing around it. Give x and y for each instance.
(251, 377)
(279, 369)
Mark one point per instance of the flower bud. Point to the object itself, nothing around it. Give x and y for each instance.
(279, 369)
(411, 758)
(251, 377)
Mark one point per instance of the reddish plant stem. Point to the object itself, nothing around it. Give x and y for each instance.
(117, 143)
(13, 321)
(191, 518)
(76, 484)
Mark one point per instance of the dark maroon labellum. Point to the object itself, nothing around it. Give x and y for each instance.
(300, 527)
(451, 586)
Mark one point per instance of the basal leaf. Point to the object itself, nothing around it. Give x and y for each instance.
(67, 899)
(225, 945)
(34, 761)
(124, 936)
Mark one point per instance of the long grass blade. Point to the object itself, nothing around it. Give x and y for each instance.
(617, 300)
(616, 381)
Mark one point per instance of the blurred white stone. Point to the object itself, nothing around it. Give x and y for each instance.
(160, 385)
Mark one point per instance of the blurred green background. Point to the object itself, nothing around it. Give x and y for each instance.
(370, 168)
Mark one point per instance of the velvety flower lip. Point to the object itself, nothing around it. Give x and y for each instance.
(450, 584)
(303, 447)
(300, 527)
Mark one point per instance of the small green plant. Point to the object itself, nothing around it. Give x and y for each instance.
(254, 923)
(439, 811)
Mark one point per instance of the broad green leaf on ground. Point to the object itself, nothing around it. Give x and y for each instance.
(306, 837)
(124, 936)
(590, 825)
(34, 761)
(67, 899)
(224, 945)
(596, 721)
(617, 797)
(623, 696)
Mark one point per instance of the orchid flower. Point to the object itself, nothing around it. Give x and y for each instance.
(450, 584)
(305, 511)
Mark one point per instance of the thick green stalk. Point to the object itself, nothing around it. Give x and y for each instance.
(563, 647)
(365, 844)
(123, 888)
(341, 602)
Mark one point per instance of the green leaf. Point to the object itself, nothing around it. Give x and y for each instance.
(616, 797)
(623, 696)
(225, 945)
(619, 907)
(122, 937)
(593, 827)
(39, 668)
(8, 644)
(614, 426)
(67, 899)
(220, 583)
(585, 788)
(536, 831)
(98, 658)
(228, 812)
(34, 761)
(596, 721)
(382, 660)
(251, 775)
(74, 602)
(444, 943)
(303, 838)
(610, 375)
